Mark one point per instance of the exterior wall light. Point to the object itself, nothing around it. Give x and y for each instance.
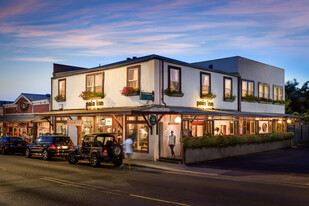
(177, 120)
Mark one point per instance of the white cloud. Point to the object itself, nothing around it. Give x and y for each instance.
(36, 59)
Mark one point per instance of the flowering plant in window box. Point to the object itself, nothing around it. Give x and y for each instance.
(250, 98)
(130, 91)
(173, 92)
(208, 96)
(86, 95)
(59, 98)
(230, 98)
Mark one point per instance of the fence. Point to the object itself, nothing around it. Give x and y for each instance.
(301, 133)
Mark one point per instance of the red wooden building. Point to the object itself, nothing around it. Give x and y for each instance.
(19, 116)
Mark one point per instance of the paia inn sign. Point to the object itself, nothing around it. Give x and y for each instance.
(95, 105)
(204, 104)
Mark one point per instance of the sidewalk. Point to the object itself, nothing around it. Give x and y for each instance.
(262, 177)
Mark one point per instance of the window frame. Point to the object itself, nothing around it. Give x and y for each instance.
(224, 88)
(138, 73)
(201, 82)
(94, 74)
(264, 86)
(169, 76)
(278, 93)
(65, 87)
(247, 91)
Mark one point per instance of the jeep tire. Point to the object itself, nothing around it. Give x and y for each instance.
(72, 159)
(94, 160)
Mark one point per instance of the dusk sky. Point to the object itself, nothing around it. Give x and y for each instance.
(36, 33)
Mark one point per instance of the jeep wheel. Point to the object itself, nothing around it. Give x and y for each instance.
(94, 160)
(116, 150)
(45, 155)
(28, 153)
(72, 159)
(117, 163)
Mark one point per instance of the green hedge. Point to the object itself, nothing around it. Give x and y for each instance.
(233, 140)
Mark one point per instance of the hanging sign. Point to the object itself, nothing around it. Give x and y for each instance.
(153, 119)
(74, 122)
(95, 105)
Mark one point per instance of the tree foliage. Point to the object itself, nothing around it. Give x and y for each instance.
(297, 99)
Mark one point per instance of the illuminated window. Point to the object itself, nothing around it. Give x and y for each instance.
(174, 74)
(263, 91)
(61, 87)
(133, 77)
(247, 88)
(278, 93)
(94, 82)
(205, 83)
(227, 87)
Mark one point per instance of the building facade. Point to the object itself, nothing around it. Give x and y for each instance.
(148, 97)
(19, 116)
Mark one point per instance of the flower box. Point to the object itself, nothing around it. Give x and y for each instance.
(59, 98)
(87, 95)
(173, 93)
(130, 91)
(208, 96)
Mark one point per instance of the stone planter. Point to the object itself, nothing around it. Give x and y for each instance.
(204, 154)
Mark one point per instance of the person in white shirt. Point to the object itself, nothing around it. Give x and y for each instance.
(128, 150)
(171, 142)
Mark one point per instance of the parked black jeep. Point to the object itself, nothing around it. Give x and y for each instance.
(97, 148)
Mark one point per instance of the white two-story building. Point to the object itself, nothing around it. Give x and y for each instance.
(146, 98)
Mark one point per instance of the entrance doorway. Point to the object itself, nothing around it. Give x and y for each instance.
(165, 129)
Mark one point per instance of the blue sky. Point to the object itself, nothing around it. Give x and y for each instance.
(36, 33)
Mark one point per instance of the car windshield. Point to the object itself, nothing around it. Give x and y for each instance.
(61, 140)
(10, 139)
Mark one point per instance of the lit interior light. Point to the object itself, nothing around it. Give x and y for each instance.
(257, 119)
(280, 121)
(289, 121)
(177, 120)
(209, 117)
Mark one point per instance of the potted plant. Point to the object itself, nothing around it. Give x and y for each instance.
(130, 91)
(86, 95)
(59, 98)
(208, 96)
(173, 92)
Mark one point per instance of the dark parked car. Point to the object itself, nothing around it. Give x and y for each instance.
(12, 145)
(49, 146)
(98, 148)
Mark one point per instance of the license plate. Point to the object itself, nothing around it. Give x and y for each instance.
(64, 147)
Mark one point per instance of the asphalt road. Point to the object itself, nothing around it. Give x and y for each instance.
(37, 182)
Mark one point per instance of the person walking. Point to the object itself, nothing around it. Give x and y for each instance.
(128, 151)
(171, 142)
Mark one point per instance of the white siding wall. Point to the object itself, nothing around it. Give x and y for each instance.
(114, 81)
(191, 88)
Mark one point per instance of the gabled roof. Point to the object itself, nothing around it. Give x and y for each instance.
(33, 97)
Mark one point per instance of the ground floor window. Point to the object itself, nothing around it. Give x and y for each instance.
(61, 128)
(138, 131)
(87, 125)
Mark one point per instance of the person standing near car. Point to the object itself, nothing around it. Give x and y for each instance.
(171, 142)
(128, 150)
(24, 136)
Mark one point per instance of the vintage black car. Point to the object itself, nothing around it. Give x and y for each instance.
(12, 145)
(97, 148)
(50, 145)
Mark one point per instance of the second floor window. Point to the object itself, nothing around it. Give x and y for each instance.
(247, 88)
(94, 82)
(227, 87)
(263, 91)
(205, 83)
(278, 91)
(61, 87)
(133, 77)
(174, 74)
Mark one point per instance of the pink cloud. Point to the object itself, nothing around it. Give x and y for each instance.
(17, 8)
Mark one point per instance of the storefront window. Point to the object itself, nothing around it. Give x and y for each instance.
(104, 124)
(138, 131)
(61, 128)
(87, 125)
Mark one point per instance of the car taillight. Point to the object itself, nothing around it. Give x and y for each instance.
(105, 151)
(10, 143)
(52, 146)
(122, 151)
(73, 146)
